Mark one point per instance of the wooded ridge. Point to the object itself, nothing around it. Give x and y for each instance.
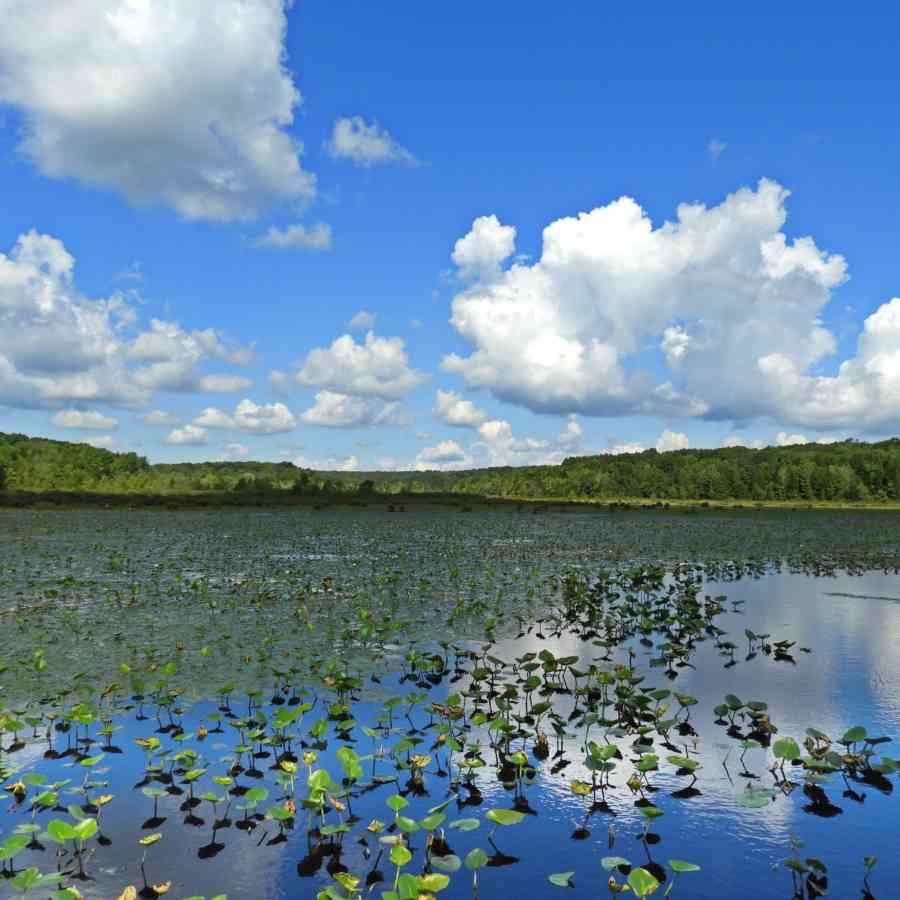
(851, 470)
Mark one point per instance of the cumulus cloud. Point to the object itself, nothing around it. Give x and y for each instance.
(366, 145)
(279, 382)
(188, 436)
(234, 451)
(57, 346)
(102, 441)
(379, 367)
(736, 440)
(362, 321)
(783, 439)
(444, 456)
(183, 103)
(62, 350)
(451, 409)
(570, 437)
(212, 417)
(170, 357)
(159, 417)
(329, 464)
(672, 440)
(297, 237)
(480, 253)
(628, 447)
(497, 446)
(266, 418)
(865, 392)
(90, 419)
(336, 410)
(495, 443)
(730, 304)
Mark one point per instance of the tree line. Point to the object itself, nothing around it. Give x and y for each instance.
(847, 471)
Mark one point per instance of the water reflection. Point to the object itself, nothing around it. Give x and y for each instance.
(850, 677)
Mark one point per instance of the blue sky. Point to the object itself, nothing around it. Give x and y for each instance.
(131, 148)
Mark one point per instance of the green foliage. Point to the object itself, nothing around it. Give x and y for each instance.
(850, 471)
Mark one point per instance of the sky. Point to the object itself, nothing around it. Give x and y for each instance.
(400, 236)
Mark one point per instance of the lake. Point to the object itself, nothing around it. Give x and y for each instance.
(473, 661)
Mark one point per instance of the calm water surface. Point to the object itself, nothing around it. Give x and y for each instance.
(850, 624)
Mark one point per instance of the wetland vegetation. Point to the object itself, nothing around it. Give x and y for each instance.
(345, 702)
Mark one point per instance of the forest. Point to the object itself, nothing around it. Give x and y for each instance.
(853, 471)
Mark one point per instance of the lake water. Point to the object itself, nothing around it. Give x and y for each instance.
(95, 590)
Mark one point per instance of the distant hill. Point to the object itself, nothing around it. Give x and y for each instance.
(847, 471)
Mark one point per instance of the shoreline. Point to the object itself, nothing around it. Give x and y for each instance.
(63, 500)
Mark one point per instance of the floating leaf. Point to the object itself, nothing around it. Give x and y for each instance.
(679, 865)
(642, 883)
(787, 749)
(854, 735)
(400, 855)
(614, 862)
(465, 824)
(449, 863)
(504, 816)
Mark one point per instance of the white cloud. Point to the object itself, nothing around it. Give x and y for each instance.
(362, 321)
(736, 440)
(783, 439)
(76, 418)
(217, 384)
(495, 444)
(102, 441)
(57, 346)
(336, 410)
(672, 440)
(172, 357)
(732, 305)
(160, 100)
(444, 456)
(366, 145)
(189, 435)
(159, 417)
(571, 435)
(267, 418)
(451, 409)
(212, 417)
(331, 464)
(234, 451)
(377, 368)
(618, 449)
(499, 447)
(297, 237)
(716, 148)
(279, 382)
(480, 253)
(865, 393)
